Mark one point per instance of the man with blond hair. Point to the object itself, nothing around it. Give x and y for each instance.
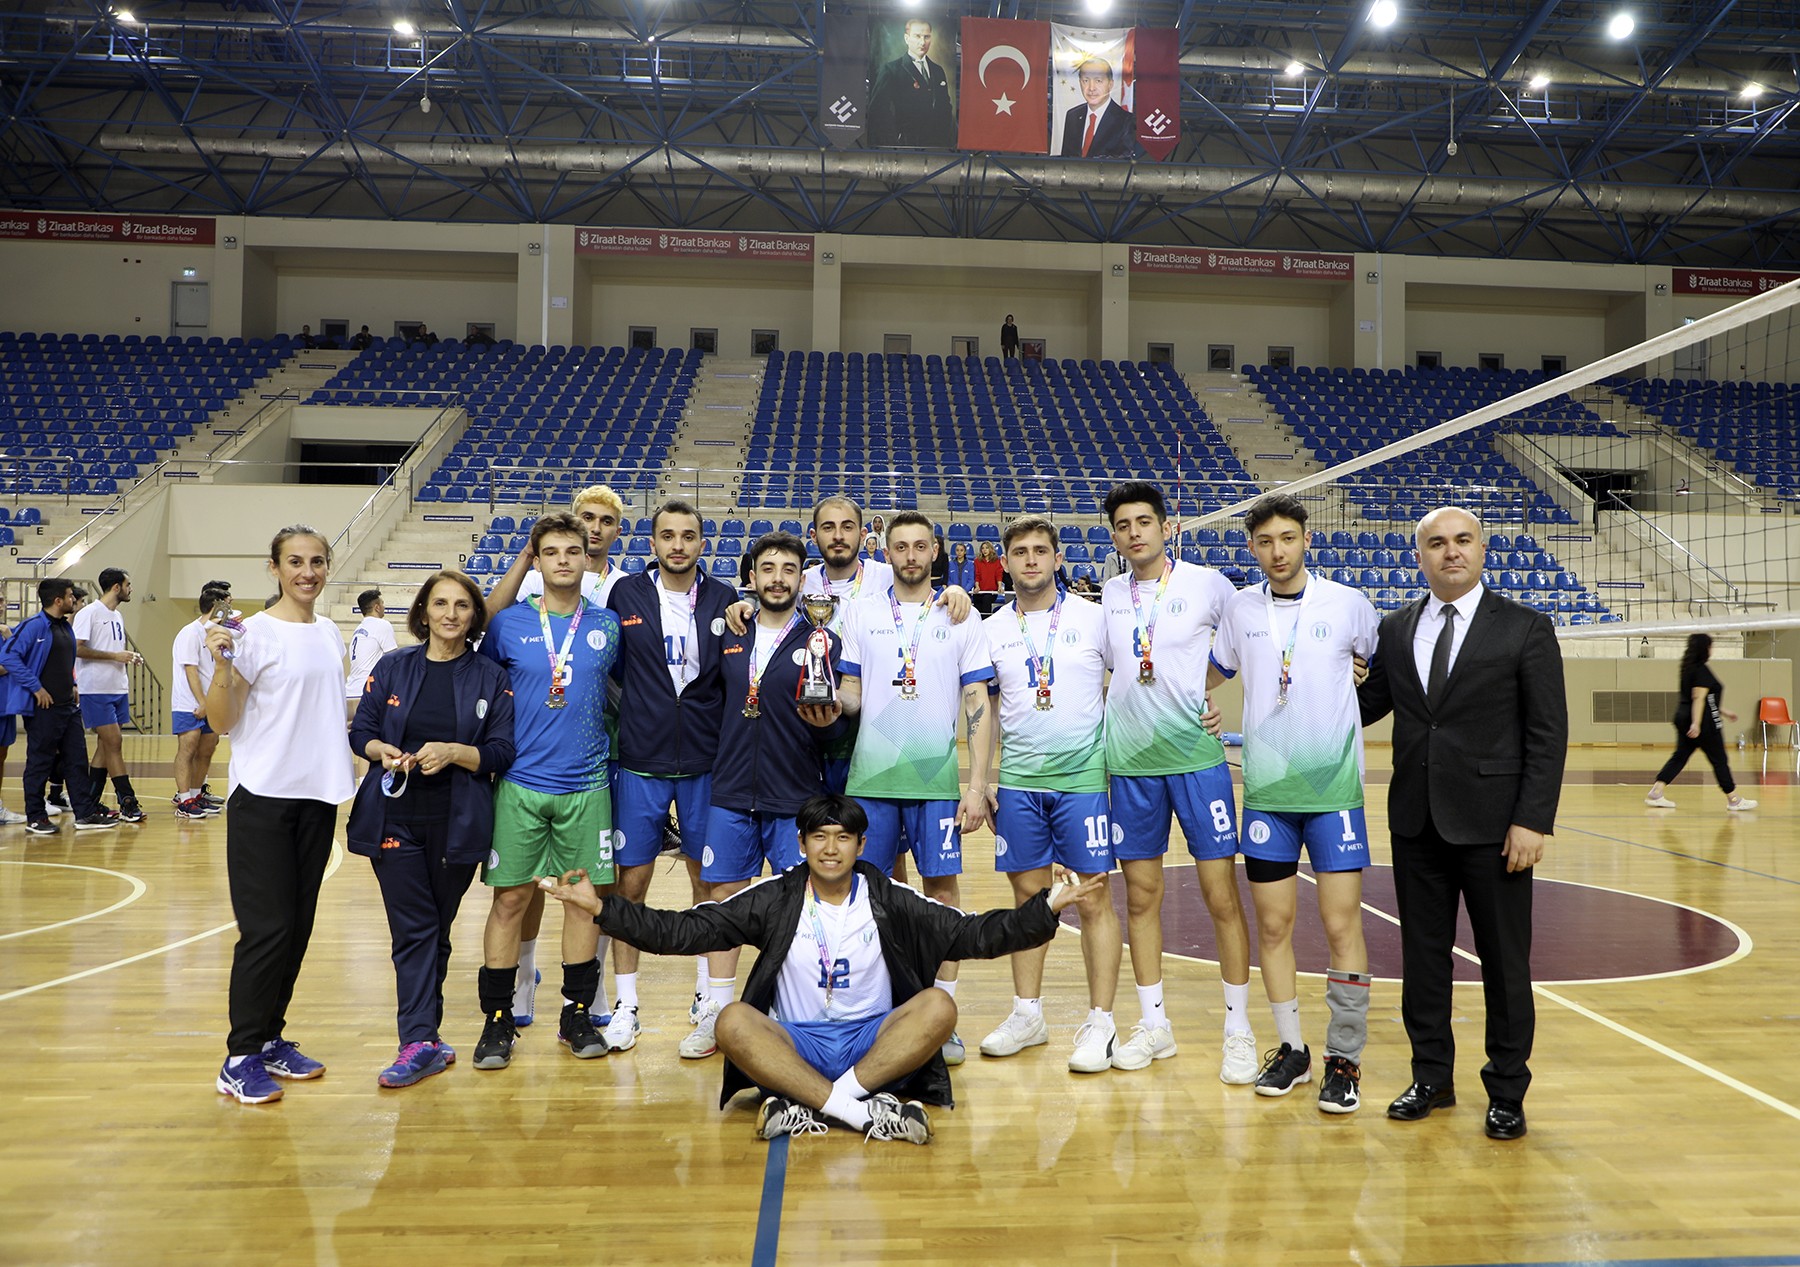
(602, 513)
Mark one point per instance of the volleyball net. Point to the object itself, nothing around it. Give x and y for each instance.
(1653, 491)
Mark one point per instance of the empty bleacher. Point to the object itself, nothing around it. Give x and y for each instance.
(1753, 427)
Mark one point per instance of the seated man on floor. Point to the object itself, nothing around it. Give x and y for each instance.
(839, 1018)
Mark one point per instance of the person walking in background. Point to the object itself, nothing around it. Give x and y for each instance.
(102, 672)
(39, 660)
(1698, 725)
(1009, 338)
(195, 739)
(277, 687)
(438, 720)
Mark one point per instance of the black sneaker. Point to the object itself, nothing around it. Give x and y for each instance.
(209, 799)
(58, 798)
(494, 1051)
(131, 812)
(1340, 1092)
(671, 837)
(100, 820)
(578, 1033)
(1283, 1070)
(41, 827)
(890, 1119)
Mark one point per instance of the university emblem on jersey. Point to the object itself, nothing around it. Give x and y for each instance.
(596, 640)
(1177, 606)
(1118, 833)
(1071, 637)
(941, 635)
(999, 846)
(1320, 631)
(1259, 832)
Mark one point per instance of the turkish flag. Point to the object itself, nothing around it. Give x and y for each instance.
(1005, 101)
(1153, 77)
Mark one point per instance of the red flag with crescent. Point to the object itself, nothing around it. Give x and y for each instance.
(1005, 86)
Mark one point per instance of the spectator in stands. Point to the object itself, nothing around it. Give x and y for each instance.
(39, 660)
(1699, 723)
(306, 338)
(361, 340)
(962, 567)
(990, 572)
(438, 719)
(195, 740)
(102, 676)
(1084, 587)
(1009, 338)
(478, 336)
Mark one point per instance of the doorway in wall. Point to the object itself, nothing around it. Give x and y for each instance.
(1160, 353)
(1221, 357)
(642, 337)
(1281, 358)
(704, 341)
(190, 309)
(965, 345)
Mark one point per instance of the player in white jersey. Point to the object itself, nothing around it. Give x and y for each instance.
(195, 741)
(102, 668)
(372, 638)
(1163, 761)
(602, 512)
(1049, 652)
(1295, 638)
(914, 678)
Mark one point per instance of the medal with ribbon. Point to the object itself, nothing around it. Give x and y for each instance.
(818, 926)
(1146, 629)
(1287, 652)
(909, 669)
(1042, 666)
(559, 659)
(760, 665)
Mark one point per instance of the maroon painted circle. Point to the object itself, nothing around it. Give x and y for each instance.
(1579, 933)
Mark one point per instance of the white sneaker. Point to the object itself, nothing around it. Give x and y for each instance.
(1147, 1043)
(52, 810)
(1094, 1043)
(700, 1044)
(10, 818)
(1742, 802)
(696, 1008)
(1017, 1032)
(1659, 802)
(1239, 1068)
(621, 1033)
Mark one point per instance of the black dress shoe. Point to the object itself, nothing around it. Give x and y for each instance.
(1417, 1101)
(1505, 1119)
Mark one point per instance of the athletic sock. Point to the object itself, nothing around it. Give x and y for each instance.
(1287, 1022)
(233, 1062)
(97, 780)
(527, 960)
(1150, 998)
(721, 990)
(1237, 1008)
(846, 1108)
(948, 987)
(494, 987)
(1097, 1016)
(580, 982)
(1030, 1007)
(600, 953)
(122, 786)
(626, 985)
(1347, 995)
(847, 1082)
(702, 975)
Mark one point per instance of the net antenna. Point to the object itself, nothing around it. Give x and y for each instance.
(1654, 491)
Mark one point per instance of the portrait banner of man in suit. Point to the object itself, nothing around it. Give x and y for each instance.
(912, 96)
(1089, 114)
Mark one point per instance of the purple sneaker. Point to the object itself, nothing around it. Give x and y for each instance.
(285, 1060)
(415, 1063)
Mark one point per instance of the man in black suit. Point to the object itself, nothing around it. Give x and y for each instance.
(1099, 127)
(910, 102)
(1481, 729)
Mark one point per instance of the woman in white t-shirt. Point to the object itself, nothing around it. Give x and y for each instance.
(278, 688)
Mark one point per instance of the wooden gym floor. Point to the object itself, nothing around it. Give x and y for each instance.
(1664, 1125)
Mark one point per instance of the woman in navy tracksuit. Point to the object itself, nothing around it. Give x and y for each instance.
(962, 567)
(436, 725)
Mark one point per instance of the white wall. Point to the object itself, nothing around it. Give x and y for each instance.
(1461, 323)
(934, 304)
(381, 294)
(95, 288)
(679, 296)
(1194, 313)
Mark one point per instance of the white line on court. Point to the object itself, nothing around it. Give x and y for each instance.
(337, 860)
(138, 889)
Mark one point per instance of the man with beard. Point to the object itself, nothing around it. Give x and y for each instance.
(916, 678)
(671, 699)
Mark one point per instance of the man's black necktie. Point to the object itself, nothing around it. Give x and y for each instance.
(1440, 656)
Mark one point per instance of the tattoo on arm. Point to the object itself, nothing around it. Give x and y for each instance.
(976, 709)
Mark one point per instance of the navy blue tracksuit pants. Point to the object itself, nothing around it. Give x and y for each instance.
(421, 889)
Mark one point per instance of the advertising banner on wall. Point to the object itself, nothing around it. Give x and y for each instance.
(844, 80)
(912, 100)
(794, 248)
(145, 230)
(1310, 266)
(1732, 283)
(1005, 86)
(1153, 88)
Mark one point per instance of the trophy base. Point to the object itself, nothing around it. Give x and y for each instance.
(817, 697)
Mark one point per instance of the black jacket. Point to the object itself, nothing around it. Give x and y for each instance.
(1491, 752)
(917, 935)
(484, 720)
(770, 764)
(660, 732)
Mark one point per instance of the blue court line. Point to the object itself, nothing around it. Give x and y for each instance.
(768, 1216)
(1691, 857)
(1788, 1260)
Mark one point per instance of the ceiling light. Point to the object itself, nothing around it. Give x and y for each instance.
(1383, 14)
(1539, 82)
(123, 15)
(405, 29)
(1294, 70)
(1622, 24)
(1097, 7)
(1752, 91)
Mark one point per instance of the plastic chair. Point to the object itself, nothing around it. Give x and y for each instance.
(1772, 710)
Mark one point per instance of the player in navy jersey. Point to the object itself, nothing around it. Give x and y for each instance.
(838, 1018)
(553, 806)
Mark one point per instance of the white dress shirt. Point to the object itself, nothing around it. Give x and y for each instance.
(1431, 624)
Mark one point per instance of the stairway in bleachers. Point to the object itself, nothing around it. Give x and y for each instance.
(1265, 445)
(713, 442)
(1751, 427)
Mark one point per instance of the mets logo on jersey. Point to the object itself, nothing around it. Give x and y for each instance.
(1320, 631)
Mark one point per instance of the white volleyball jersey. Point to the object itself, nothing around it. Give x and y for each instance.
(1061, 748)
(841, 977)
(871, 578)
(1155, 728)
(906, 748)
(102, 630)
(1304, 756)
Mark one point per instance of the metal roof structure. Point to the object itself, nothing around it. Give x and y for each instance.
(1303, 126)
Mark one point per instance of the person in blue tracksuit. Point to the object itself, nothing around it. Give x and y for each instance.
(962, 567)
(39, 664)
(435, 723)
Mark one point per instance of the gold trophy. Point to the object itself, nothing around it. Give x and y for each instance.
(818, 684)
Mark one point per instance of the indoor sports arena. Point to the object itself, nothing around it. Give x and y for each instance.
(677, 632)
